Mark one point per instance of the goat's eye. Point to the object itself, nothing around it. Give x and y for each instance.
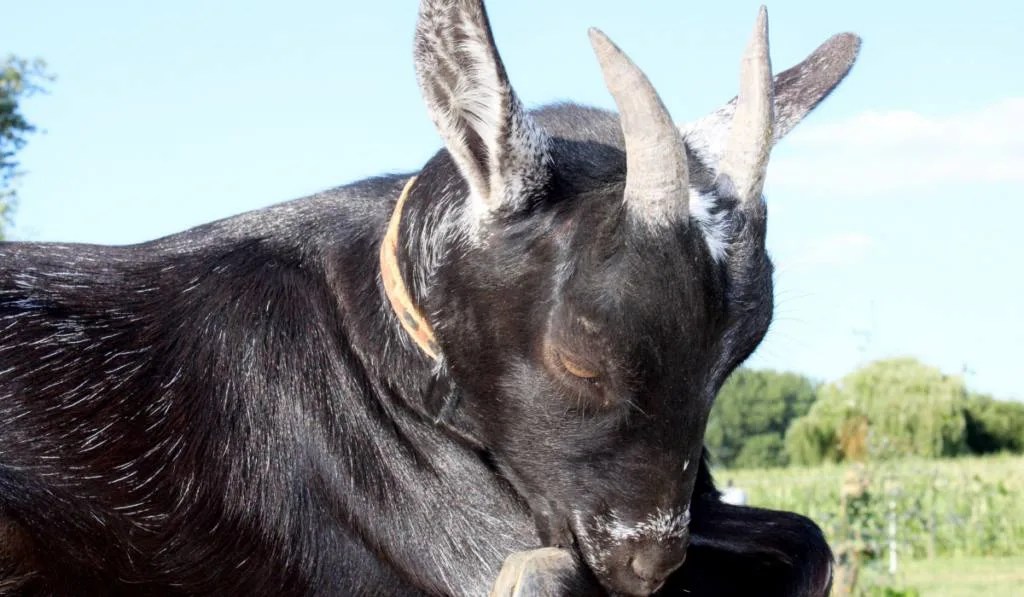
(577, 369)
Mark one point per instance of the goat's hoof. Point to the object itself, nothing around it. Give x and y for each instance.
(545, 572)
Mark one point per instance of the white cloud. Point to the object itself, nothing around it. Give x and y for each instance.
(905, 150)
(837, 250)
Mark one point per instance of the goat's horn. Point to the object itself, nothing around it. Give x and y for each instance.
(745, 160)
(657, 178)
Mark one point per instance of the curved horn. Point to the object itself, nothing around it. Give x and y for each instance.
(657, 176)
(745, 160)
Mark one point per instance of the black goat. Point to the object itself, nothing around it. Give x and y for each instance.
(237, 409)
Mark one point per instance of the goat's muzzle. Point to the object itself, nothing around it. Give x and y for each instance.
(641, 567)
(635, 557)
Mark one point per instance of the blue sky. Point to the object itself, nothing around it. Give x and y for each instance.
(895, 209)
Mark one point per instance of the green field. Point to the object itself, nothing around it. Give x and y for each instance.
(942, 508)
(959, 523)
(964, 577)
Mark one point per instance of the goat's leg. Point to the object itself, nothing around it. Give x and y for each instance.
(740, 551)
(545, 572)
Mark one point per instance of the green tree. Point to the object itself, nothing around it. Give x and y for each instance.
(994, 425)
(889, 408)
(813, 440)
(751, 415)
(762, 451)
(19, 79)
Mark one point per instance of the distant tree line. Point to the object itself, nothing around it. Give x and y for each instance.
(19, 79)
(888, 409)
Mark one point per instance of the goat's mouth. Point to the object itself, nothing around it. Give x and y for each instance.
(628, 564)
(628, 561)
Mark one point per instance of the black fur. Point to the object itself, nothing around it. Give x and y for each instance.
(235, 409)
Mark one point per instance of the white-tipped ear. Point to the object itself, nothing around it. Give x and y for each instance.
(798, 90)
(498, 149)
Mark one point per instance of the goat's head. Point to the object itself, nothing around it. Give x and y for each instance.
(593, 278)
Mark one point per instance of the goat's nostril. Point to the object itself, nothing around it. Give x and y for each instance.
(645, 570)
(653, 565)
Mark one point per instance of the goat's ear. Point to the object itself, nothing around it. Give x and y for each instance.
(500, 152)
(798, 90)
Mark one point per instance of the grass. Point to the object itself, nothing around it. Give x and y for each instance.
(960, 522)
(963, 577)
(962, 508)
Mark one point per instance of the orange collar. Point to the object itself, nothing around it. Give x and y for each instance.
(394, 285)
